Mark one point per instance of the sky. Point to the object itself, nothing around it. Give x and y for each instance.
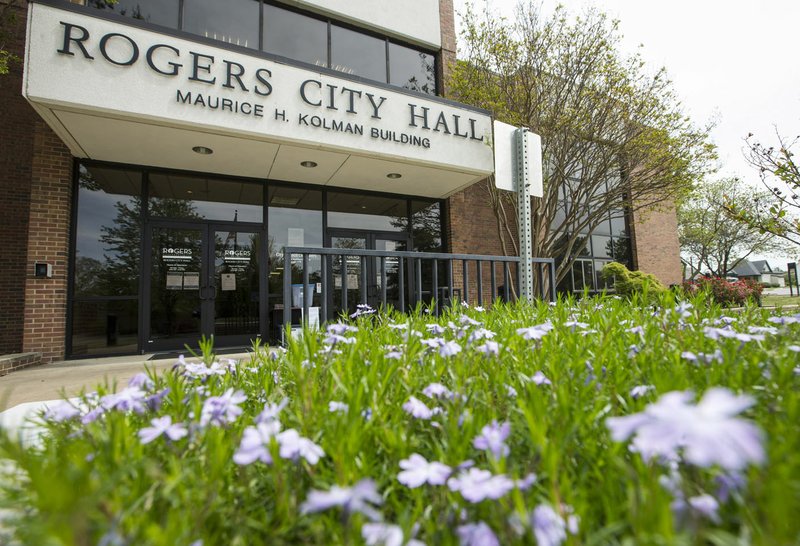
(731, 61)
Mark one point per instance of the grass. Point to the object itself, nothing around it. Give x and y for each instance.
(771, 300)
(85, 484)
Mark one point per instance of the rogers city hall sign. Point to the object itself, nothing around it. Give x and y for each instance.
(205, 79)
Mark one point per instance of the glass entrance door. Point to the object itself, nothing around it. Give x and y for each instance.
(370, 278)
(203, 281)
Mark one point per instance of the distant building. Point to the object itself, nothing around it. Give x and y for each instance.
(758, 270)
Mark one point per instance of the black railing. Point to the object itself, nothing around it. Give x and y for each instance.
(403, 279)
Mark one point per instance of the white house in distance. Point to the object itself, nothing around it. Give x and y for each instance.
(759, 270)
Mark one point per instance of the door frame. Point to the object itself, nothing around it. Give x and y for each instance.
(207, 228)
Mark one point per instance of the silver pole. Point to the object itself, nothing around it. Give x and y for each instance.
(522, 178)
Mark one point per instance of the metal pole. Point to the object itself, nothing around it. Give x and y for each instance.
(524, 211)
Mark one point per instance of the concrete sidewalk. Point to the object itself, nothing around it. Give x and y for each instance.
(53, 381)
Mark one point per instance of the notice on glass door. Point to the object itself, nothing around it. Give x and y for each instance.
(174, 281)
(228, 282)
(191, 281)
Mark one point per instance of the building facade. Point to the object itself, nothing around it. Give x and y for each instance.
(157, 156)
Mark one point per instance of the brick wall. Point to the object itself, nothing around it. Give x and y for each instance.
(48, 241)
(16, 149)
(655, 243)
(448, 53)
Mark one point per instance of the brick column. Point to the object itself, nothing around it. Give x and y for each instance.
(447, 58)
(654, 242)
(16, 149)
(48, 241)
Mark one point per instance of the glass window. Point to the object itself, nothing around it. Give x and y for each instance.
(158, 12)
(358, 54)
(233, 21)
(108, 232)
(621, 251)
(369, 212)
(105, 326)
(200, 198)
(602, 283)
(412, 69)
(295, 219)
(618, 226)
(426, 226)
(601, 246)
(295, 36)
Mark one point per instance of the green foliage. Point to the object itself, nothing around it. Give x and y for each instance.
(632, 283)
(727, 293)
(85, 484)
(613, 133)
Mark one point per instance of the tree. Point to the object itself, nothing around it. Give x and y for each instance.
(779, 212)
(614, 137)
(710, 237)
(8, 18)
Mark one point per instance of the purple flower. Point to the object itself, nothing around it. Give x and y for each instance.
(535, 332)
(640, 390)
(784, 320)
(333, 339)
(437, 390)
(293, 447)
(511, 391)
(255, 443)
(417, 408)
(92, 415)
(337, 407)
(361, 310)
(550, 528)
(142, 381)
(708, 433)
(480, 333)
(729, 483)
(476, 534)
(393, 355)
(362, 498)
(340, 329)
(154, 400)
(527, 482)
(61, 411)
(162, 426)
(382, 534)
(704, 506)
(449, 348)
(493, 438)
(128, 399)
(418, 471)
(489, 348)
(636, 330)
(540, 379)
(435, 329)
(271, 411)
(794, 348)
(221, 410)
(476, 485)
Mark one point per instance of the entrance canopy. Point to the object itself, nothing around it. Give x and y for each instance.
(121, 90)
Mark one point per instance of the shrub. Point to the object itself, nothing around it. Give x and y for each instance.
(727, 293)
(627, 282)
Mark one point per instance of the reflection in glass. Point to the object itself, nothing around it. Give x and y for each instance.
(601, 246)
(426, 226)
(295, 36)
(358, 54)
(233, 21)
(295, 219)
(199, 198)
(367, 212)
(602, 284)
(351, 268)
(177, 280)
(618, 224)
(412, 69)
(236, 282)
(101, 327)
(621, 251)
(158, 12)
(108, 232)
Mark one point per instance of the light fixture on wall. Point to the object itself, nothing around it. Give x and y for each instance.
(308, 164)
(394, 175)
(202, 150)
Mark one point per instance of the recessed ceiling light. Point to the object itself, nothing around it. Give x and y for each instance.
(309, 164)
(394, 175)
(202, 150)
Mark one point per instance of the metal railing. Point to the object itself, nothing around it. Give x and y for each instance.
(407, 279)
